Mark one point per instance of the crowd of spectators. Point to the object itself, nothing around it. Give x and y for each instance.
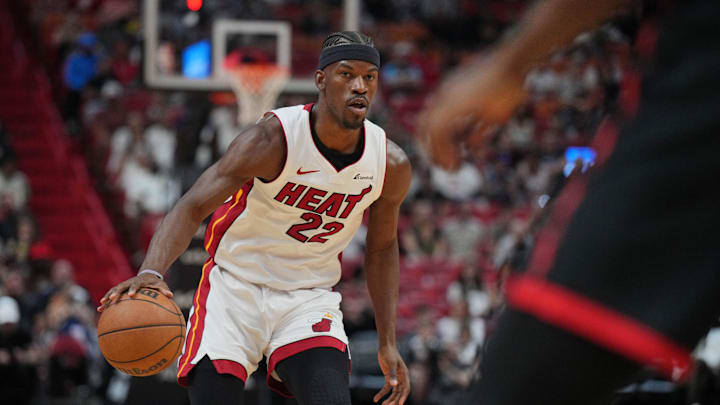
(48, 345)
(459, 232)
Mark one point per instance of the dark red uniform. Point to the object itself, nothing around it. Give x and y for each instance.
(627, 271)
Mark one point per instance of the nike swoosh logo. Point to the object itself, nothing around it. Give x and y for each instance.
(309, 171)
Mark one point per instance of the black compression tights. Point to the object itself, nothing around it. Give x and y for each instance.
(317, 376)
(208, 387)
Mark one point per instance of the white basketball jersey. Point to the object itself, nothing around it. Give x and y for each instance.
(289, 233)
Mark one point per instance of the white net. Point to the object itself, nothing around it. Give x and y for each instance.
(256, 87)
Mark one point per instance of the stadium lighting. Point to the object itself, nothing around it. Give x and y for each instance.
(194, 5)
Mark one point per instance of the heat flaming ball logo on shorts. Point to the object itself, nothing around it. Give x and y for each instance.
(323, 325)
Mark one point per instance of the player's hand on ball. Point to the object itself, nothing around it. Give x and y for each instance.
(465, 110)
(131, 286)
(397, 378)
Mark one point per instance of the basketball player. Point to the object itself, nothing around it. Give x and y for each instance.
(288, 196)
(627, 272)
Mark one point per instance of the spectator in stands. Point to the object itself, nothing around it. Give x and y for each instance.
(521, 129)
(461, 185)
(73, 345)
(497, 175)
(17, 370)
(62, 286)
(457, 365)
(62, 275)
(547, 79)
(464, 232)
(400, 73)
(423, 239)
(223, 122)
(146, 188)
(14, 188)
(125, 63)
(14, 284)
(424, 345)
(68, 370)
(469, 288)
(124, 140)
(536, 175)
(449, 328)
(26, 238)
(421, 187)
(425, 340)
(81, 66)
(506, 243)
(102, 105)
(8, 226)
(160, 138)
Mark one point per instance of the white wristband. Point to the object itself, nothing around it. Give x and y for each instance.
(153, 272)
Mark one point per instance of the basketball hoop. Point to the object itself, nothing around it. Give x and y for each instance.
(257, 87)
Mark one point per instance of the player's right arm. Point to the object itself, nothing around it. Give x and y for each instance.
(475, 98)
(257, 152)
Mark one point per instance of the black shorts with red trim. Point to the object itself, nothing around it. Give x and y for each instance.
(630, 259)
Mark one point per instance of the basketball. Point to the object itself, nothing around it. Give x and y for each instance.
(141, 335)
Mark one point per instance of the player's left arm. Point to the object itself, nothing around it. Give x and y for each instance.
(382, 271)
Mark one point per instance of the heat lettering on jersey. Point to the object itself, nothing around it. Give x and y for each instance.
(290, 193)
(312, 196)
(331, 205)
(315, 200)
(352, 200)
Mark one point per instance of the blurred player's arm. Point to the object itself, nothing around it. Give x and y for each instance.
(382, 269)
(257, 152)
(550, 25)
(475, 98)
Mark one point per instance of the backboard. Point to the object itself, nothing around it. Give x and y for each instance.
(186, 50)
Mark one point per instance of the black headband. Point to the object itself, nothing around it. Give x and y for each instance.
(349, 52)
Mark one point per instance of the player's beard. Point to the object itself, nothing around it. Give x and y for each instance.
(353, 124)
(347, 124)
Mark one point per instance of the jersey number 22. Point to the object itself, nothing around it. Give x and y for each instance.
(314, 221)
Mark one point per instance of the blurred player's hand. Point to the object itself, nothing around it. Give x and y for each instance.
(466, 108)
(396, 374)
(131, 285)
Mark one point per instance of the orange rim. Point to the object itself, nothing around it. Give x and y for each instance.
(253, 76)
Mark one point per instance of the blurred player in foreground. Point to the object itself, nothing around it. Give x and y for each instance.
(288, 196)
(627, 272)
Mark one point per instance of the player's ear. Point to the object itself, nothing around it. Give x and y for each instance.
(320, 79)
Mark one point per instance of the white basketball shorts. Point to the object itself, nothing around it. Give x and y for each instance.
(235, 323)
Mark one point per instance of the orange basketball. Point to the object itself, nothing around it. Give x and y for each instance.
(141, 336)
